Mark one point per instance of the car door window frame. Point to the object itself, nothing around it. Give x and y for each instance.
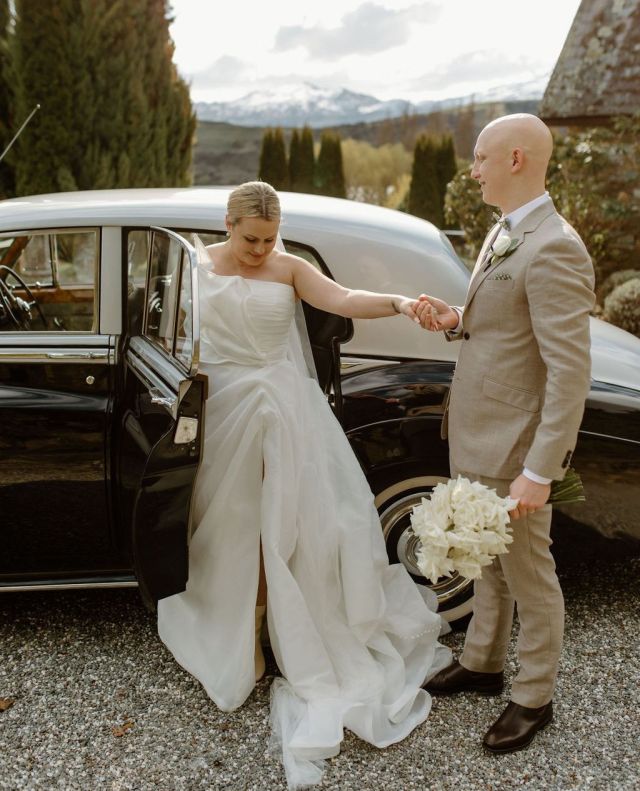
(187, 258)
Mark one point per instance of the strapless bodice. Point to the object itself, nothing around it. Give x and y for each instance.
(244, 321)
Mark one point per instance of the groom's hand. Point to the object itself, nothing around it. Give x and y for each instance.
(531, 496)
(435, 314)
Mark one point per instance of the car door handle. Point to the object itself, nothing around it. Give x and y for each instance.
(157, 397)
(69, 355)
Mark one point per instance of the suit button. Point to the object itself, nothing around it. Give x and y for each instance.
(466, 336)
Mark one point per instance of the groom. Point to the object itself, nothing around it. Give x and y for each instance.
(515, 406)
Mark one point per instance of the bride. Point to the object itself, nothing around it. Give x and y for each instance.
(285, 520)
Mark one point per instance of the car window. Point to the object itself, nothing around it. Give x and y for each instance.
(48, 281)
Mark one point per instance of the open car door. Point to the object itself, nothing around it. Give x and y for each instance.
(161, 417)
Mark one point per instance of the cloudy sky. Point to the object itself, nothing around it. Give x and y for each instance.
(404, 49)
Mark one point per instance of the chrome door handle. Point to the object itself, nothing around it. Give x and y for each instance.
(69, 355)
(158, 398)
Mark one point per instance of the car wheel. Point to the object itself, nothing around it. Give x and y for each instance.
(394, 504)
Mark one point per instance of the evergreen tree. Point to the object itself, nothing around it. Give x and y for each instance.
(446, 166)
(306, 170)
(329, 168)
(266, 156)
(424, 194)
(7, 175)
(273, 159)
(114, 112)
(294, 161)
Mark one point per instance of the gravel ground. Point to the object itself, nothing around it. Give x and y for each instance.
(100, 704)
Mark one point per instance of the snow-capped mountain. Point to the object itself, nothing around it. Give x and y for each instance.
(301, 104)
(295, 105)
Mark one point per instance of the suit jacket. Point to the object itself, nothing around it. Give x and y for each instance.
(524, 370)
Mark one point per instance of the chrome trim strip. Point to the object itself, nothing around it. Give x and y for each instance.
(50, 586)
(59, 340)
(110, 291)
(151, 356)
(105, 357)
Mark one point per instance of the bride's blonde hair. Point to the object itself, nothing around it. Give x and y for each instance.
(253, 199)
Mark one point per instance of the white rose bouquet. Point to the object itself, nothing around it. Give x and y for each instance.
(461, 527)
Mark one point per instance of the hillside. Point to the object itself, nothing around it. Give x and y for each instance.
(229, 154)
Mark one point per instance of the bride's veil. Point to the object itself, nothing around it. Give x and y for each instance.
(300, 352)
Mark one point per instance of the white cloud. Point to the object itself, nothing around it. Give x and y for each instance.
(482, 66)
(402, 49)
(370, 28)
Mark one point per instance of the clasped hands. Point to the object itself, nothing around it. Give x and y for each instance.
(431, 313)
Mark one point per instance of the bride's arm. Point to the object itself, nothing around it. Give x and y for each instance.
(323, 293)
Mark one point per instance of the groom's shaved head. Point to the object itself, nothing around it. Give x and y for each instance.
(525, 132)
(510, 160)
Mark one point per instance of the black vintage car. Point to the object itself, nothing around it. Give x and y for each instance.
(101, 403)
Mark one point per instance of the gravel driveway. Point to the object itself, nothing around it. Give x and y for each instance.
(100, 703)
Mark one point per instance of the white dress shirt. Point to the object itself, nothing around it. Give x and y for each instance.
(514, 218)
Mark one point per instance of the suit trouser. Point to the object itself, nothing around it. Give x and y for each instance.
(525, 576)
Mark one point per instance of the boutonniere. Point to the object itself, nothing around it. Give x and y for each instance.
(502, 247)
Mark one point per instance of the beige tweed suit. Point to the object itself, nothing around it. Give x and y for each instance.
(516, 401)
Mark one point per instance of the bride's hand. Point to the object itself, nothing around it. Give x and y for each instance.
(408, 308)
(435, 314)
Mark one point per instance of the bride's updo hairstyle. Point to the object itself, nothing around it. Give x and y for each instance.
(253, 199)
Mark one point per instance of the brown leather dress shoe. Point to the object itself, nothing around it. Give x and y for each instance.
(516, 726)
(456, 678)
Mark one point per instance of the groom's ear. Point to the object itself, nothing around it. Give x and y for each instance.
(517, 159)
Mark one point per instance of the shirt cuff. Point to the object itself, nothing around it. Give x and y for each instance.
(535, 478)
(458, 326)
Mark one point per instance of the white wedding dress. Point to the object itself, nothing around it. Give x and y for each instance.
(351, 634)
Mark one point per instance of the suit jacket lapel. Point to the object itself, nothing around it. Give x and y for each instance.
(530, 223)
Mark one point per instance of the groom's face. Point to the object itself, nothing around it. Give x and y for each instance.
(492, 167)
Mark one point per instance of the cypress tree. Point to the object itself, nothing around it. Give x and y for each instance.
(329, 168)
(114, 112)
(424, 194)
(266, 156)
(280, 168)
(446, 166)
(294, 161)
(273, 159)
(307, 161)
(7, 175)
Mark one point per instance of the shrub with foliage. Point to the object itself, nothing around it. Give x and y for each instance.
(375, 174)
(622, 306)
(614, 280)
(593, 178)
